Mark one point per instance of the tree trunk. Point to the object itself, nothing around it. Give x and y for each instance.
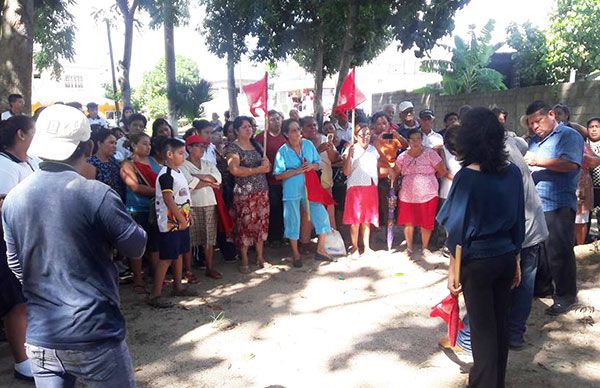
(170, 63)
(347, 50)
(319, 77)
(125, 64)
(16, 51)
(231, 88)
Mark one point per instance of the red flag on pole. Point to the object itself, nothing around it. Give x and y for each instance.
(349, 96)
(257, 95)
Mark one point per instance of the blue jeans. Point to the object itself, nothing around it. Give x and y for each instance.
(106, 365)
(522, 296)
(521, 299)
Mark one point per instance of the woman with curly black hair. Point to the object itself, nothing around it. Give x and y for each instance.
(484, 213)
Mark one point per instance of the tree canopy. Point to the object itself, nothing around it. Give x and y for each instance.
(191, 90)
(531, 54)
(467, 71)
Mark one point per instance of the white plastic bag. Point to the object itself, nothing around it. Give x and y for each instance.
(334, 244)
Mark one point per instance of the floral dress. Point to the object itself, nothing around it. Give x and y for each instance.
(109, 173)
(250, 199)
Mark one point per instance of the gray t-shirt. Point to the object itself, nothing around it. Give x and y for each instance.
(60, 230)
(536, 230)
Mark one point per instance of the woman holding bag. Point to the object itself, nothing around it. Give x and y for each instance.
(485, 214)
(139, 174)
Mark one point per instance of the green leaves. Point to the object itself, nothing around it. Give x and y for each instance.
(191, 90)
(467, 71)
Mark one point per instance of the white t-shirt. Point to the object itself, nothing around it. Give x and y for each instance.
(122, 153)
(433, 139)
(98, 121)
(6, 115)
(13, 172)
(172, 182)
(204, 196)
(210, 155)
(364, 166)
(452, 165)
(344, 133)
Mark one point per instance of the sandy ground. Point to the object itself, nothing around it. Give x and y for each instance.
(354, 323)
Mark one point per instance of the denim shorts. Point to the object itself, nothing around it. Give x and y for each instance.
(105, 365)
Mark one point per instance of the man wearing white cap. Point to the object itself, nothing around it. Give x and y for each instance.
(407, 116)
(60, 231)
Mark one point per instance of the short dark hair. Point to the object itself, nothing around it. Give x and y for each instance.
(158, 123)
(448, 115)
(91, 105)
(285, 126)
(378, 115)
(191, 131)
(480, 139)
(136, 137)
(202, 124)
(12, 98)
(75, 104)
(137, 117)
(595, 118)
(412, 131)
(99, 136)
(463, 110)
(273, 112)
(536, 106)
(171, 144)
(562, 106)
(497, 111)
(305, 120)
(9, 128)
(227, 126)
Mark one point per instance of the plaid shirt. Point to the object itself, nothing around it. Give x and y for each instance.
(557, 189)
(595, 146)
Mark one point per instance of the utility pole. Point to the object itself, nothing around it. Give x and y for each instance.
(112, 69)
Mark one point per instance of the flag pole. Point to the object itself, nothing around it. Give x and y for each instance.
(354, 107)
(266, 114)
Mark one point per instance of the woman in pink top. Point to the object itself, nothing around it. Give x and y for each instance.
(419, 191)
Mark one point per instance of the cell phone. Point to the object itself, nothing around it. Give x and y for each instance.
(387, 136)
(330, 137)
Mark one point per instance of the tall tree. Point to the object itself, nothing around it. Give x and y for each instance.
(23, 23)
(531, 54)
(16, 46)
(169, 14)
(226, 26)
(467, 71)
(573, 38)
(127, 9)
(192, 90)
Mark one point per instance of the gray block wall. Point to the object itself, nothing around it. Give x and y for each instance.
(583, 98)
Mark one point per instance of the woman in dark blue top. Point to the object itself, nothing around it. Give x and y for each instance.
(484, 213)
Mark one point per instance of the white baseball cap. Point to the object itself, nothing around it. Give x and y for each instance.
(404, 105)
(58, 132)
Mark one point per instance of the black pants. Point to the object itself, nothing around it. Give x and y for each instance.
(486, 285)
(276, 213)
(557, 271)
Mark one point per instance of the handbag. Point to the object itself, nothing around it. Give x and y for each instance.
(152, 207)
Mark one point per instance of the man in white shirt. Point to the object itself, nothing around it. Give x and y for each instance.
(16, 104)
(93, 117)
(343, 128)
(431, 138)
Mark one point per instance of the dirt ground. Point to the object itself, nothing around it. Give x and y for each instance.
(354, 323)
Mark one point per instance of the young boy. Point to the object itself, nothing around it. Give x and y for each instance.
(173, 217)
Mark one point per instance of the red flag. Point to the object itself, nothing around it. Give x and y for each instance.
(448, 310)
(349, 97)
(257, 95)
(225, 223)
(316, 192)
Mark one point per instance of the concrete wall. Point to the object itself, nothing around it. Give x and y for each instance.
(582, 97)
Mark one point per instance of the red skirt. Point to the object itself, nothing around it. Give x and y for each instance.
(361, 206)
(418, 214)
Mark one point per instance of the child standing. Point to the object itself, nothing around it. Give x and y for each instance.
(173, 217)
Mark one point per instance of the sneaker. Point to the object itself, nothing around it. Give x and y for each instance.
(516, 344)
(125, 277)
(558, 308)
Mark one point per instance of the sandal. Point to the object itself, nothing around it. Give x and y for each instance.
(139, 289)
(265, 264)
(159, 302)
(297, 263)
(213, 274)
(244, 269)
(190, 277)
(319, 256)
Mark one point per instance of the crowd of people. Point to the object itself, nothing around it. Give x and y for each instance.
(118, 203)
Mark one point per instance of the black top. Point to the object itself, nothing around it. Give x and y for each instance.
(485, 213)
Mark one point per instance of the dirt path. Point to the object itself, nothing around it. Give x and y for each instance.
(354, 323)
